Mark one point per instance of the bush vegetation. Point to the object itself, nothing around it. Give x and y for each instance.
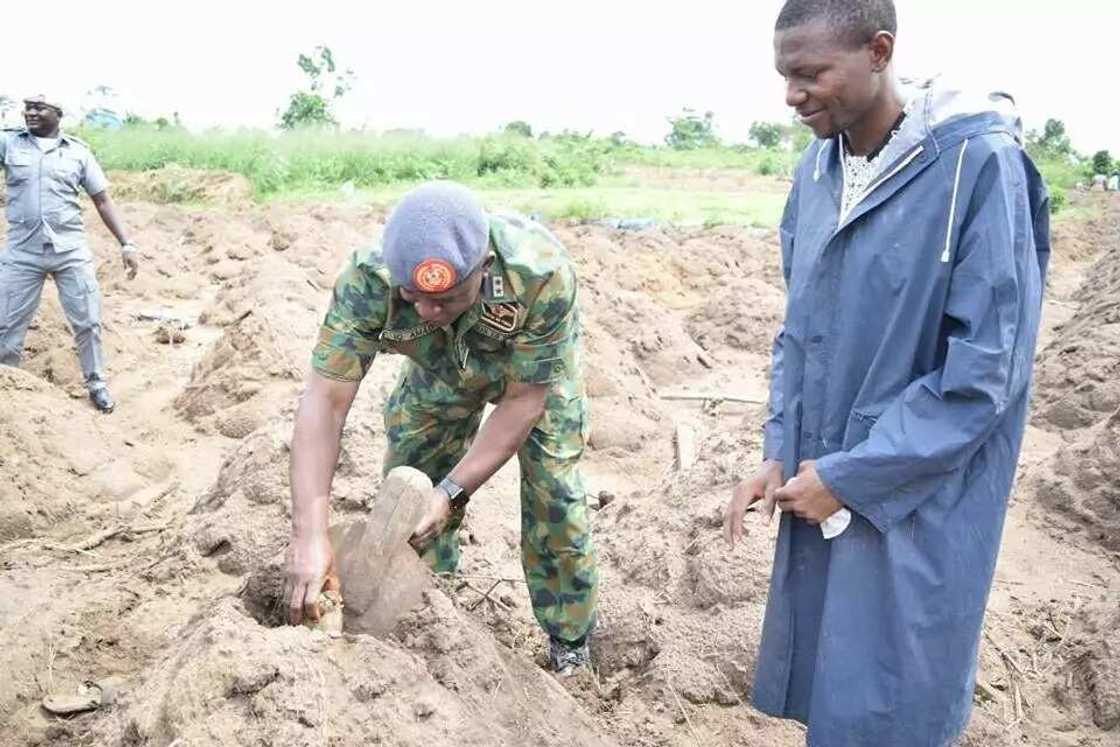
(312, 158)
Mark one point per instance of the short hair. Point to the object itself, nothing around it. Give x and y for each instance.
(856, 22)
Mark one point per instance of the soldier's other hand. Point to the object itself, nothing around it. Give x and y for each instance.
(434, 521)
(130, 257)
(761, 486)
(310, 572)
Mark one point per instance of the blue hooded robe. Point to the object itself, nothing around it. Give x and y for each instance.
(903, 367)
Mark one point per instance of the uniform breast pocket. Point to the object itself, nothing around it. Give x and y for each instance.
(68, 172)
(407, 348)
(18, 168)
(486, 345)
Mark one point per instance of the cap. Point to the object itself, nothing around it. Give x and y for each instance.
(435, 237)
(41, 99)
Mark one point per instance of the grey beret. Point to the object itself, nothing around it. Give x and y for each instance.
(436, 236)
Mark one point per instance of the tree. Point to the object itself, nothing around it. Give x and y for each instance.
(800, 135)
(1102, 162)
(767, 134)
(690, 131)
(306, 109)
(325, 86)
(1054, 138)
(618, 139)
(518, 127)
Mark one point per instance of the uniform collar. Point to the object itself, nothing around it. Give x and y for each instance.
(63, 138)
(404, 324)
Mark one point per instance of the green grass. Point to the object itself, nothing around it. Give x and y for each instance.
(306, 160)
(755, 160)
(1061, 175)
(613, 199)
(276, 163)
(1077, 214)
(560, 177)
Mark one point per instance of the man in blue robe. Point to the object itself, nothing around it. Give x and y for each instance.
(914, 249)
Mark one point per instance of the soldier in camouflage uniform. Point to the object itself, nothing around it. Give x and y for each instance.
(484, 308)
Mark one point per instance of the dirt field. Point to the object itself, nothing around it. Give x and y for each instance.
(147, 545)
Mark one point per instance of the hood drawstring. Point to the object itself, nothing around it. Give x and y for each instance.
(945, 256)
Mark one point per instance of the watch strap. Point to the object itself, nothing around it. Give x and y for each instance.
(456, 495)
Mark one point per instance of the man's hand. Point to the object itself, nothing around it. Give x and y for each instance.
(315, 448)
(760, 486)
(806, 497)
(130, 256)
(311, 571)
(433, 523)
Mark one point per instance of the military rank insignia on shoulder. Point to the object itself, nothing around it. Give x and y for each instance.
(501, 317)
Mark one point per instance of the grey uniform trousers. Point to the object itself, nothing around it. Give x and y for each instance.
(22, 274)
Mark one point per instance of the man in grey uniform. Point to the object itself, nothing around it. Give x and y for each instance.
(44, 169)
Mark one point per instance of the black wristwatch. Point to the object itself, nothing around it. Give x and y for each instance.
(457, 496)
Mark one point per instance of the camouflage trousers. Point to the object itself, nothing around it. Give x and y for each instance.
(430, 426)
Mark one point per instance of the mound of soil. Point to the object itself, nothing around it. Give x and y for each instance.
(248, 358)
(176, 184)
(227, 680)
(1078, 376)
(1084, 482)
(180, 502)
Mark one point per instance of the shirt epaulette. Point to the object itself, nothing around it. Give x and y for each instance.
(78, 140)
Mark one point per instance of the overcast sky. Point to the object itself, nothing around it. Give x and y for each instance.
(607, 65)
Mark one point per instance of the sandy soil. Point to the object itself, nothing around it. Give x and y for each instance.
(147, 545)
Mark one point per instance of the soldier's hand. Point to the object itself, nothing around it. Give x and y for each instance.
(311, 571)
(762, 485)
(434, 521)
(130, 257)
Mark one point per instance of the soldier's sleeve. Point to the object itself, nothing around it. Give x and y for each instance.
(348, 337)
(94, 181)
(545, 349)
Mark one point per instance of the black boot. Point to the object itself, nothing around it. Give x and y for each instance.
(102, 400)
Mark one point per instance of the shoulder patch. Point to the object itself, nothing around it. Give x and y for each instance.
(502, 317)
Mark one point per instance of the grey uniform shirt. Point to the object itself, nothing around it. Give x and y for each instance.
(43, 209)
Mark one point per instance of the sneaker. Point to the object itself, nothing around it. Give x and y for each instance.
(567, 659)
(102, 400)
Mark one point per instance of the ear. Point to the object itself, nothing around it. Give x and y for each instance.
(882, 51)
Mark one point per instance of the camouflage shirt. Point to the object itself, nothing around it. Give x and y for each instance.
(524, 328)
